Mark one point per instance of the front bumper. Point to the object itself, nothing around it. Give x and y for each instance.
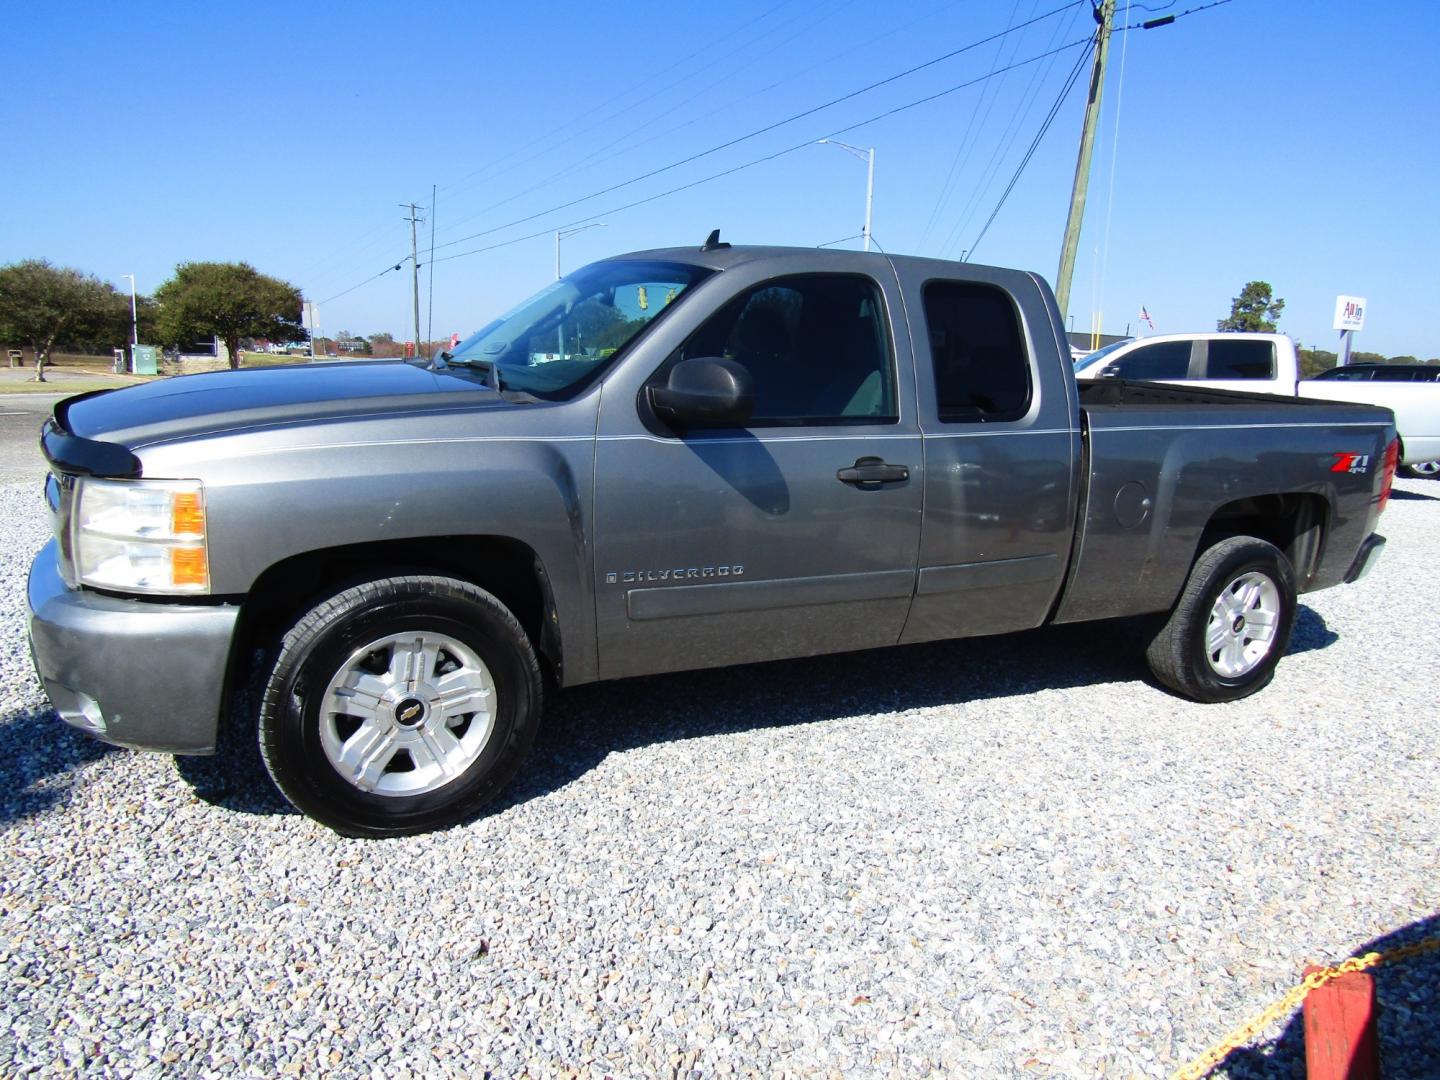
(134, 673)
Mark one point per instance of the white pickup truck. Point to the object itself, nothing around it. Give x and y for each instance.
(1267, 363)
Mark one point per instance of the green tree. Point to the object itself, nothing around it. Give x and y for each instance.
(229, 301)
(1253, 310)
(1314, 361)
(43, 306)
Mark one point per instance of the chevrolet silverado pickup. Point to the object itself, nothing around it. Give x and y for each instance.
(668, 460)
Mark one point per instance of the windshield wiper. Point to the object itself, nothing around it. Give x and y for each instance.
(490, 367)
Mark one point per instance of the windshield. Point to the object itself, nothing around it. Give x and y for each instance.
(1090, 357)
(555, 344)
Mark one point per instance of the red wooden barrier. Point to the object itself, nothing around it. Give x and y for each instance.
(1340, 1038)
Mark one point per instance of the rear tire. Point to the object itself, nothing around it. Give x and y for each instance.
(1231, 625)
(1421, 470)
(400, 706)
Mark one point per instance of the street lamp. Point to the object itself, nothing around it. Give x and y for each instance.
(134, 332)
(562, 233)
(863, 155)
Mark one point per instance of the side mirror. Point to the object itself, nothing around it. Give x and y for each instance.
(1109, 371)
(708, 391)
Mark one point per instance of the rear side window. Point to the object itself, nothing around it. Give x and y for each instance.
(1163, 360)
(1240, 360)
(982, 371)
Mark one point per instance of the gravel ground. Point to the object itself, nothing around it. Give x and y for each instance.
(1009, 857)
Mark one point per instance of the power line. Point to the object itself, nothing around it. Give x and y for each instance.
(732, 69)
(352, 288)
(583, 119)
(1166, 20)
(947, 185)
(738, 168)
(1114, 157)
(767, 128)
(1070, 82)
(779, 153)
(1018, 116)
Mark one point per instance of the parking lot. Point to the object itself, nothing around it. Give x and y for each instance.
(1013, 856)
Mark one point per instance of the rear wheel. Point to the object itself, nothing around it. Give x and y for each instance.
(1231, 624)
(400, 706)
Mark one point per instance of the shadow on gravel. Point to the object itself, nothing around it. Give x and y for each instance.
(1310, 632)
(1407, 994)
(234, 777)
(585, 724)
(1400, 495)
(34, 747)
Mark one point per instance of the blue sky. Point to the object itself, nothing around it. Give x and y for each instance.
(1290, 141)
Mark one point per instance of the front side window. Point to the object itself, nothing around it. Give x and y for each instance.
(815, 345)
(977, 352)
(557, 342)
(1242, 359)
(1163, 360)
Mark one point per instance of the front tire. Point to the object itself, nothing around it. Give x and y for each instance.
(1231, 624)
(400, 706)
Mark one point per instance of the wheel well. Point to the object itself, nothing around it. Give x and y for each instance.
(506, 568)
(1295, 523)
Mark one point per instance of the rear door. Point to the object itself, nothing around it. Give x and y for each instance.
(757, 542)
(997, 414)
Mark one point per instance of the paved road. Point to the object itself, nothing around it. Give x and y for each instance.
(20, 418)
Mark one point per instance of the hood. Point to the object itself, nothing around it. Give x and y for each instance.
(191, 405)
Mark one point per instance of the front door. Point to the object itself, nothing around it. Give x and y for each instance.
(769, 540)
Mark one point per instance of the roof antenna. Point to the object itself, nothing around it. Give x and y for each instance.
(712, 242)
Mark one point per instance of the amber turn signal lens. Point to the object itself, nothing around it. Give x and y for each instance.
(187, 514)
(188, 566)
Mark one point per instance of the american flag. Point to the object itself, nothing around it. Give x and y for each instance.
(1145, 315)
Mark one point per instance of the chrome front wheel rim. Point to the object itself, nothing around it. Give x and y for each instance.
(1242, 625)
(1426, 468)
(407, 714)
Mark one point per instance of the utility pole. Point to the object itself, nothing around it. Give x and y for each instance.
(1104, 16)
(415, 267)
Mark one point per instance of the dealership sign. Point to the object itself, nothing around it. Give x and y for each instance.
(1349, 313)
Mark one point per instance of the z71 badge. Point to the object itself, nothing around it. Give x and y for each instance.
(1351, 463)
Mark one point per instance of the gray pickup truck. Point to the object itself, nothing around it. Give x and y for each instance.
(668, 460)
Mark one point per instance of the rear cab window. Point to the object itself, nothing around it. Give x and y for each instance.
(1244, 359)
(977, 349)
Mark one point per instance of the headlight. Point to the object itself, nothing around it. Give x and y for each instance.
(141, 535)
